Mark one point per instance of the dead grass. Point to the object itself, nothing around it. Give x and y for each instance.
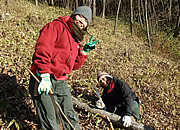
(155, 78)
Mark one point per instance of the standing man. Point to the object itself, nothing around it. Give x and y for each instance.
(57, 53)
(118, 98)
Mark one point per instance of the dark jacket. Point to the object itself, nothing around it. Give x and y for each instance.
(56, 51)
(120, 96)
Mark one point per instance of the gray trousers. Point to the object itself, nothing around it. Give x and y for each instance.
(135, 110)
(45, 109)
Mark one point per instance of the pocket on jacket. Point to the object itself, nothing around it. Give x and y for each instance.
(61, 57)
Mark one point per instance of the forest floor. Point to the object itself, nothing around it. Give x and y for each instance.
(152, 74)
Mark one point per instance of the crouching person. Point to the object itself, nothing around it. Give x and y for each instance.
(118, 98)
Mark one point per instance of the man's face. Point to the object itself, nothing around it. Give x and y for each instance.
(81, 21)
(103, 82)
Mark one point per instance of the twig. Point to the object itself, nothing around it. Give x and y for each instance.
(51, 93)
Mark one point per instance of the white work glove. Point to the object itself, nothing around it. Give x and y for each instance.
(100, 104)
(127, 121)
(45, 83)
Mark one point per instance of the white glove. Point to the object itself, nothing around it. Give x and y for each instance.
(45, 83)
(127, 121)
(100, 104)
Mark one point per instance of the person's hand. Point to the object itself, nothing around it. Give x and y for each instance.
(100, 104)
(127, 121)
(90, 45)
(45, 84)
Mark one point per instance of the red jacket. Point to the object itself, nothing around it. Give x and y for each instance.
(56, 51)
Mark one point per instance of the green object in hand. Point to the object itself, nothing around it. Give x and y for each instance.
(90, 45)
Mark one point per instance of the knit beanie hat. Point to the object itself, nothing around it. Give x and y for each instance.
(102, 75)
(84, 11)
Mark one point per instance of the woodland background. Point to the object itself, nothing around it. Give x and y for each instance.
(139, 43)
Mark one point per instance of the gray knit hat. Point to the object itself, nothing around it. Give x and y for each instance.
(84, 11)
(102, 75)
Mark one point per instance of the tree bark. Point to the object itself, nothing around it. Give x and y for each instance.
(150, 16)
(162, 4)
(67, 4)
(71, 5)
(94, 9)
(117, 17)
(131, 16)
(76, 4)
(147, 24)
(155, 25)
(143, 15)
(89, 3)
(139, 13)
(36, 2)
(170, 8)
(177, 29)
(113, 117)
(104, 8)
(84, 2)
(51, 3)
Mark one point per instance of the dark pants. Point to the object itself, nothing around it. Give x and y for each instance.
(135, 110)
(45, 109)
(121, 110)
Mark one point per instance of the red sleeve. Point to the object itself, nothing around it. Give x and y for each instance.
(44, 48)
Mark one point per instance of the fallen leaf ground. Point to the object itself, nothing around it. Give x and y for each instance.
(153, 75)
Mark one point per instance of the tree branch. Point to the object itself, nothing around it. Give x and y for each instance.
(113, 117)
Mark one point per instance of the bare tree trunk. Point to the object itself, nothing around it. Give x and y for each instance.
(117, 17)
(36, 2)
(71, 4)
(131, 16)
(147, 24)
(94, 9)
(162, 4)
(150, 16)
(177, 29)
(51, 3)
(170, 8)
(155, 25)
(89, 3)
(104, 8)
(76, 4)
(84, 2)
(143, 15)
(139, 13)
(67, 4)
